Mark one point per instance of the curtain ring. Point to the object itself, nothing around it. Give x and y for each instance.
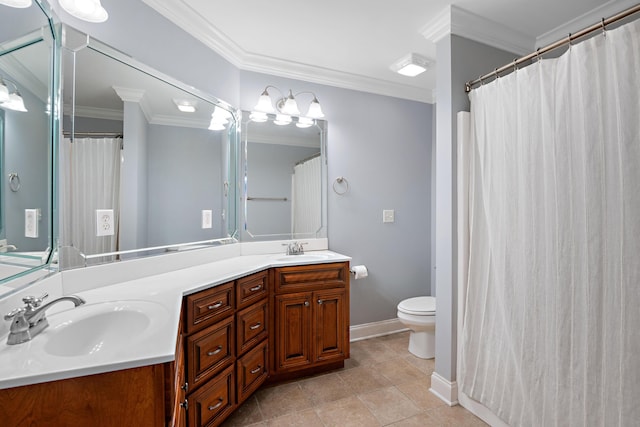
(515, 64)
(495, 73)
(604, 28)
(538, 55)
(14, 182)
(481, 81)
(569, 40)
(339, 180)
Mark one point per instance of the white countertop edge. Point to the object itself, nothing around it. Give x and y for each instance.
(168, 289)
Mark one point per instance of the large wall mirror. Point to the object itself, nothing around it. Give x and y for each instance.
(27, 136)
(284, 178)
(146, 161)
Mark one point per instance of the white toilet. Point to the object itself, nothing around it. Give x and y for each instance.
(419, 315)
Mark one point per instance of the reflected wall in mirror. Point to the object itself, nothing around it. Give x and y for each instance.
(27, 52)
(284, 179)
(145, 160)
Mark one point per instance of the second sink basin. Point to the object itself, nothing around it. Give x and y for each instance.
(100, 328)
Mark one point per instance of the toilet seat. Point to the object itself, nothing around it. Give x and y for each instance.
(419, 306)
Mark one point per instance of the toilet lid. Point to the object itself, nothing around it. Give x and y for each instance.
(418, 305)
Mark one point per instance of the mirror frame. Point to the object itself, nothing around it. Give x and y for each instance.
(82, 40)
(48, 33)
(246, 234)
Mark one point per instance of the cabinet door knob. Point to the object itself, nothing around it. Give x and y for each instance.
(217, 405)
(185, 404)
(306, 303)
(320, 301)
(256, 326)
(256, 288)
(185, 386)
(255, 371)
(214, 352)
(216, 305)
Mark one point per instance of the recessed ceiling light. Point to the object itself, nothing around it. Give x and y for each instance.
(411, 65)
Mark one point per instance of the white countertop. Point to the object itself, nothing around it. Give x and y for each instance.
(29, 363)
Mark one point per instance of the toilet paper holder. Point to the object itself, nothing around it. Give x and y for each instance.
(359, 271)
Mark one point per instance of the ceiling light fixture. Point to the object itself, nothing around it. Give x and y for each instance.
(411, 65)
(11, 100)
(16, 3)
(287, 105)
(87, 10)
(186, 106)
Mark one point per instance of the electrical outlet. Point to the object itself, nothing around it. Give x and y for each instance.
(388, 215)
(104, 222)
(207, 218)
(31, 223)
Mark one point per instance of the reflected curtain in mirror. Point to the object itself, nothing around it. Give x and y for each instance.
(91, 168)
(307, 196)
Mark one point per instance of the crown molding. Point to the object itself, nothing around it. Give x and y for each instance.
(610, 8)
(454, 20)
(96, 113)
(190, 21)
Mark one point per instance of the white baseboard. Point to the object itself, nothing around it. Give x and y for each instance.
(375, 329)
(446, 390)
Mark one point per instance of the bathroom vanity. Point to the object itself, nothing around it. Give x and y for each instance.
(276, 321)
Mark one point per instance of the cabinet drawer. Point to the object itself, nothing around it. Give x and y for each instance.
(252, 371)
(210, 405)
(207, 307)
(208, 351)
(251, 325)
(309, 277)
(251, 289)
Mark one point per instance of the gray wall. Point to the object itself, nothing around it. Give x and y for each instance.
(381, 145)
(184, 176)
(458, 61)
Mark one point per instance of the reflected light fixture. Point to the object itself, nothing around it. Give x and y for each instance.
(282, 119)
(186, 106)
(219, 118)
(87, 10)
(258, 117)
(11, 100)
(21, 4)
(287, 105)
(411, 65)
(304, 122)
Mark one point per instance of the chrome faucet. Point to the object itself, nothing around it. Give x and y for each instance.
(30, 320)
(5, 247)
(294, 248)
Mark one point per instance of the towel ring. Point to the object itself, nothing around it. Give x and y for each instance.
(339, 180)
(14, 182)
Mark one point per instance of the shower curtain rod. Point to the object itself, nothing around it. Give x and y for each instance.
(103, 134)
(602, 25)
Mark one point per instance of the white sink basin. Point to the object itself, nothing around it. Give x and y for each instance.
(99, 329)
(303, 258)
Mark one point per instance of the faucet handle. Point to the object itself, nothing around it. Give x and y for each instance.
(33, 302)
(15, 313)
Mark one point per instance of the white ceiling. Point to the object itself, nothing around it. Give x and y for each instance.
(352, 43)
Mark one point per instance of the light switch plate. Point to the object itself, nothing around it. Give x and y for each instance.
(31, 223)
(207, 218)
(388, 215)
(104, 222)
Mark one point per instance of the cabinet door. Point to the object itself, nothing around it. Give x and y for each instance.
(293, 331)
(330, 322)
(180, 388)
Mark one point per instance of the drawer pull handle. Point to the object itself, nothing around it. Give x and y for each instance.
(320, 301)
(256, 326)
(216, 305)
(216, 351)
(256, 288)
(217, 405)
(255, 371)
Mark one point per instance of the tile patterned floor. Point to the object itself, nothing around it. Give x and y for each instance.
(382, 384)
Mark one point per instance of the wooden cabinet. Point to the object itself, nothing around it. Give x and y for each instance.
(213, 402)
(311, 319)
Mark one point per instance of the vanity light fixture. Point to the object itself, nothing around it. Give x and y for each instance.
(11, 100)
(258, 117)
(21, 4)
(282, 119)
(287, 105)
(186, 106)
(219, 118)
(411, 65)
(304, 122)
(87, 10)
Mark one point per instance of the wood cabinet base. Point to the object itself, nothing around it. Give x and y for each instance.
(132, 397)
